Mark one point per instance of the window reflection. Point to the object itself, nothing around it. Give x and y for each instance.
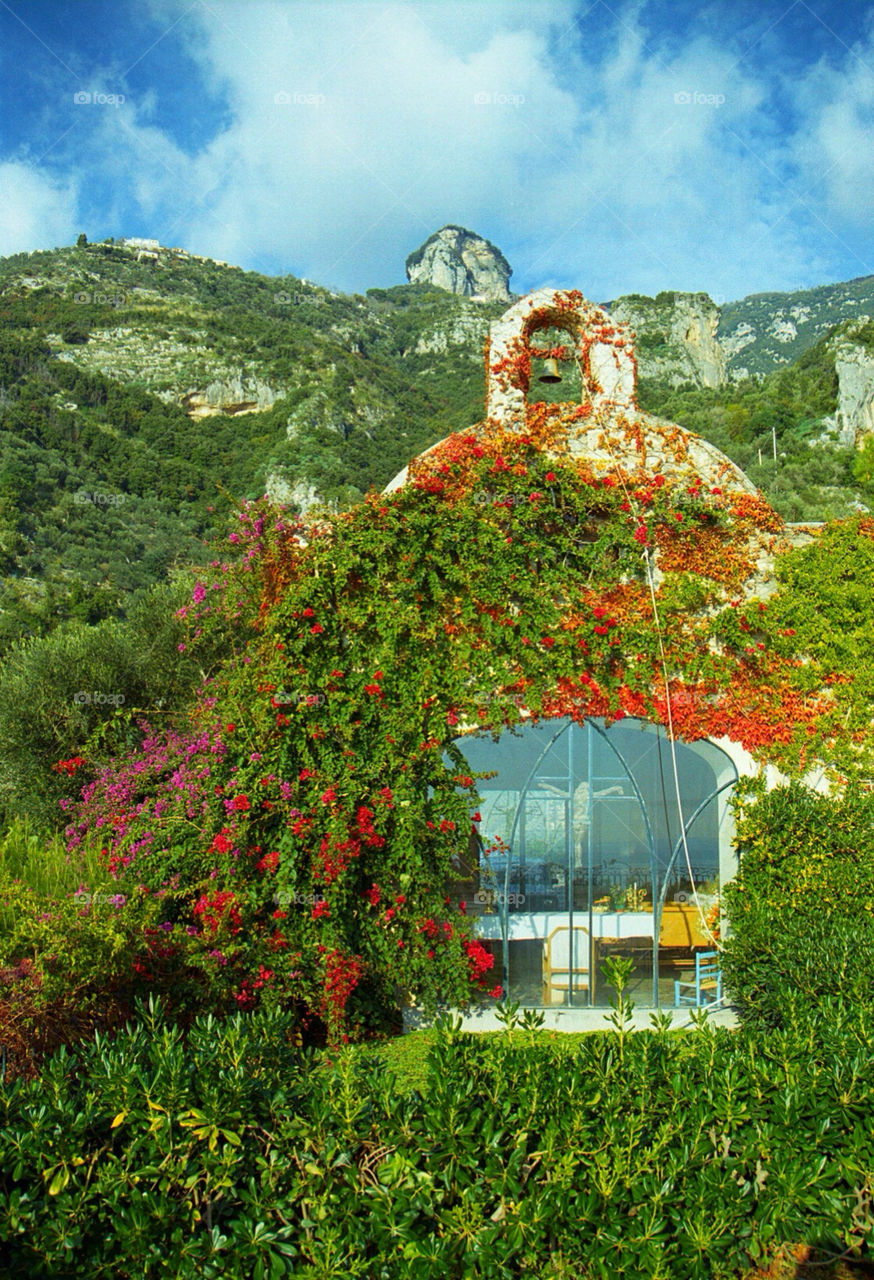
(582, 846)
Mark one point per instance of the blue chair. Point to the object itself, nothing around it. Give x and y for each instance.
(706, 989)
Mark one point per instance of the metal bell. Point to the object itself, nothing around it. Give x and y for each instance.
(550, 373)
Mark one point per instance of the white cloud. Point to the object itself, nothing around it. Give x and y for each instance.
(36, 210)
(599, 153)
(571, 153)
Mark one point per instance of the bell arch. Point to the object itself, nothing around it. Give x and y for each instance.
(602, 348)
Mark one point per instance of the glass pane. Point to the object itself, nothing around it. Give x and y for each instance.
(581, 826)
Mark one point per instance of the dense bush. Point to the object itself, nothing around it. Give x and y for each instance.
(230, 1151)
(801, 908)
(78, 691)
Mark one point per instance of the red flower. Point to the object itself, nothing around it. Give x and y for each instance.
(229, 728)
(240, 802)
(306, 773)
(69, 766)
(496, 992)
(329, 796)
(640, 534)
(309, 613)
(317, 629)
(373, 689)
(321, 909)
(373, 895)
(213, 909)
(550, 476)
(269, 862)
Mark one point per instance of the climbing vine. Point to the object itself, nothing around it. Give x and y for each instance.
(329, 838)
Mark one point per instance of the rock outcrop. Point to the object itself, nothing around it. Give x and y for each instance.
(854, 365)
(461, 262)
(675, 336)
(230, 396)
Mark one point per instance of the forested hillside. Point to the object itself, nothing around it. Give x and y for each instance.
(140, 398)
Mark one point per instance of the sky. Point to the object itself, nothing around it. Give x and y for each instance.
(622, 147)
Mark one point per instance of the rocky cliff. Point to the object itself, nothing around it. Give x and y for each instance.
(675, 336)
(763, 331)
(854, 364)
(461, 262)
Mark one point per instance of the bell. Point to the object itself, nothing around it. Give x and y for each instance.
(550, 373)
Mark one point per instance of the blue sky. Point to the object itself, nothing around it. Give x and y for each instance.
(612, 147)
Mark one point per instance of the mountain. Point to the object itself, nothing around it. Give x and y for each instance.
(675, 336)
(145, 389)
(766, 330)
(461, 262)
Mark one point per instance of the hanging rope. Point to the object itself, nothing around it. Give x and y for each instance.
(664, 665)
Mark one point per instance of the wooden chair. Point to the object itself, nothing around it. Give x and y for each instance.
(706, 989)
(558, 964)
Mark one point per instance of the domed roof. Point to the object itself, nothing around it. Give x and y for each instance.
(606, 429)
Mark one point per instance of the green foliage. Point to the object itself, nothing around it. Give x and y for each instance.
(814, 313)
(801, 908)
(823, 611)
(228, 1150)
(805, 482)
(863, 465)
(81, 689)
(40, 861)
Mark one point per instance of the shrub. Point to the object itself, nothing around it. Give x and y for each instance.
(801, 908)
(229, 1150)
(75, 691)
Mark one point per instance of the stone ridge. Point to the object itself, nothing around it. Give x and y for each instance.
(463, 263)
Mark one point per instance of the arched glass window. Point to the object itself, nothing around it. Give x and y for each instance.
(587, 852)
